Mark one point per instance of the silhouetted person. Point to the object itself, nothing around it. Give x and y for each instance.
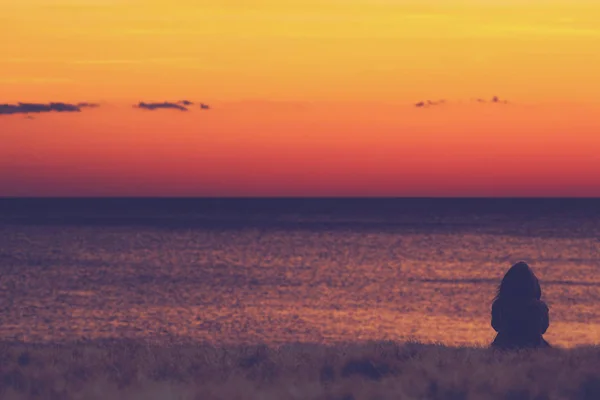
(518, 314)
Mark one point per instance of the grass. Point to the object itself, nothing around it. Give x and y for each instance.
(123, 369)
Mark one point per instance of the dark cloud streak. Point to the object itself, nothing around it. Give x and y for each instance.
(158, 106)
(36, 108)
(429, 103)
(494, 100)
(181, 105)
(88, 105)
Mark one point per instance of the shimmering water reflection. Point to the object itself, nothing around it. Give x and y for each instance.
(285, 285)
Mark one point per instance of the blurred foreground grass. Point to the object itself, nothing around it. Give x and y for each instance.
(123, 369)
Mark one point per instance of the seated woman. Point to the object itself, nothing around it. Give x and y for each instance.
(518, 314)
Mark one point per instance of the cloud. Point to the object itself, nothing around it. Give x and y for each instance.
(88, 105)
(181, 105)
(494, 100)
(158, 106)
(429, 103)
(26, 108)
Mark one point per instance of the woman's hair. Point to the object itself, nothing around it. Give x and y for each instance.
(519, 282)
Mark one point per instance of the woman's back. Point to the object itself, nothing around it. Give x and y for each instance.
(520, 323)
(518, 314)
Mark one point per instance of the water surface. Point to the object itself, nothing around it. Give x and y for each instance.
(277, 271)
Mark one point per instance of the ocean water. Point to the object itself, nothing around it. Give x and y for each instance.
(291, 270)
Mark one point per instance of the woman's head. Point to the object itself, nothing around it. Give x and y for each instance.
(520, 282)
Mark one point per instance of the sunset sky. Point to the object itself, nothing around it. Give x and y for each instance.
(305, 98)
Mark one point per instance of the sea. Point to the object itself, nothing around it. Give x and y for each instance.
(273, 271)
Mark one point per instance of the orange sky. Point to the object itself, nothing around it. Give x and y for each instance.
(308, 97)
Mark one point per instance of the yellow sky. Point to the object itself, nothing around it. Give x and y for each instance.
(310, 50)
